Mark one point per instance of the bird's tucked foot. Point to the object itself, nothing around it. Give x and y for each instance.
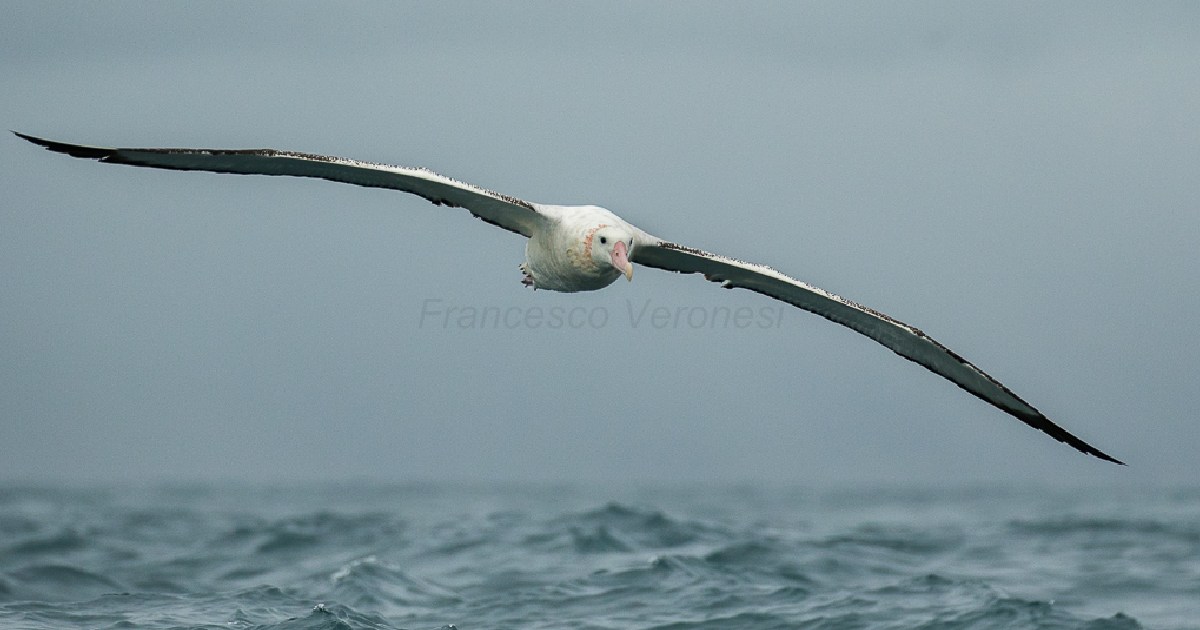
(528, 279)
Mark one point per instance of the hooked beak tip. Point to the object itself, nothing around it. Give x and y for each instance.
(629, 271)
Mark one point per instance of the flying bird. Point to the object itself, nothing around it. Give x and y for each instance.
(584, 248)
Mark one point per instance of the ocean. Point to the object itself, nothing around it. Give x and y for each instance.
(426, 556)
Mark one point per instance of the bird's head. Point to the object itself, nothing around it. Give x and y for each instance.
(613, 245)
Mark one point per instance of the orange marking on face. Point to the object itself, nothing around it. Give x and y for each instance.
(587, 240)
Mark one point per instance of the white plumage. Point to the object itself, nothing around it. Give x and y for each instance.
(583, 248)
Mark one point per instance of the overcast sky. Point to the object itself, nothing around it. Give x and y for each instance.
(1018, 180)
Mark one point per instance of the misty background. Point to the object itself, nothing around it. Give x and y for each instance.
(1019, 180)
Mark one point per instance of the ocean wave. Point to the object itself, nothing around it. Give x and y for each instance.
(617, 528)
(375, 584)
(58, 582)
(689, 560)
(1108, 526)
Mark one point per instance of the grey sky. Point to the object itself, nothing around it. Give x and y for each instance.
(1018, 180)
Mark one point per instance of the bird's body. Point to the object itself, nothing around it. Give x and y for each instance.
(560, 254)
(584, 248)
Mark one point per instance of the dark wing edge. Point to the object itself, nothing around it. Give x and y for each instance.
(510, 213)
(904, 340)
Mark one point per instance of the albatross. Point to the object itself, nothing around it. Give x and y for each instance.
(584, 248)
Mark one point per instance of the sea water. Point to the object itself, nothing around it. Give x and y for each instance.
(541, 556)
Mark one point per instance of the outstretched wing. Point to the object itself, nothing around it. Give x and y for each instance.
(897, 336)
(507, 212)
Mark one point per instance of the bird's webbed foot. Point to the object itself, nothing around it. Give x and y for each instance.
(528, 279)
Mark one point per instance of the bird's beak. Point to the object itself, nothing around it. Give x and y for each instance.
(620, 260)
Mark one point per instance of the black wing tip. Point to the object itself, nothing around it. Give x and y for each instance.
(1099, 454)
(1045, 425)
(1106, 457)
(73, 150)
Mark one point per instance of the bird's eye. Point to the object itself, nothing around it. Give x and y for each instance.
(603, 240)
